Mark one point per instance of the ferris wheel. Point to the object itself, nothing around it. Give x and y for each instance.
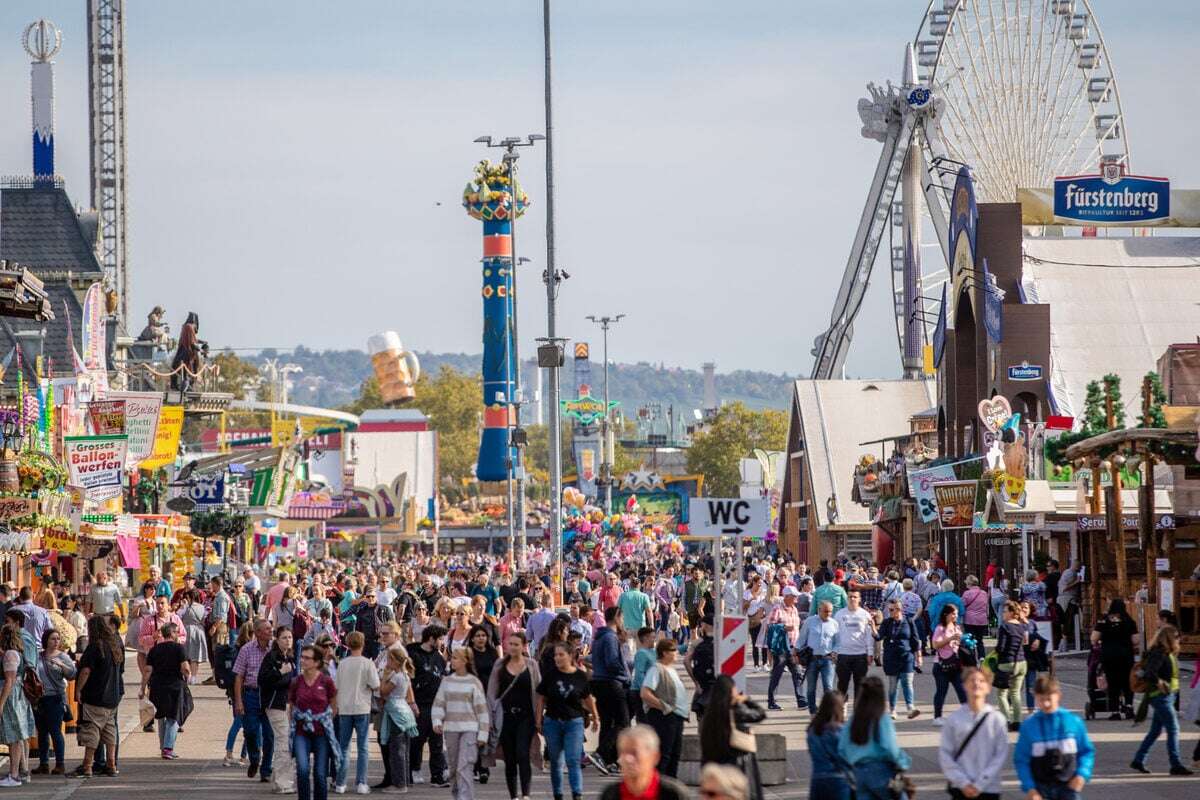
(1019, 92)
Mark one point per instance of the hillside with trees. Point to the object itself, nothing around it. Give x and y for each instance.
(333, 378)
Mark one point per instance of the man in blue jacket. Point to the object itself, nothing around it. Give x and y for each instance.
(1054, 756)
(610, 680)
(946, 595)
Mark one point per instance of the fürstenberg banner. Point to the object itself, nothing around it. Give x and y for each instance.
(1131, 201)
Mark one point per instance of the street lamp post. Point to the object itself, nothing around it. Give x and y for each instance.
(606, 455)
(516, 469)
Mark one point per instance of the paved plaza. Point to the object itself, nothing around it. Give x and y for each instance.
(199, 771)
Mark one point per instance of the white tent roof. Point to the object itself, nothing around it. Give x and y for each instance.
(837, 416)
(1116, 304)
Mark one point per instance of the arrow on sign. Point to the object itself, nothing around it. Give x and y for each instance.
(731, 531)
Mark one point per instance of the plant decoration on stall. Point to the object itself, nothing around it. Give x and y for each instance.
(1101, 396)
(33, 495)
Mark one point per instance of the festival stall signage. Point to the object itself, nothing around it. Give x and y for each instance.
(16, 507)
(955, 503)
(141, 423)
(107, 417)
(96, 464)
(586, 409)
(1110, 198)
(1008, 456)
(922, 482)
(166, 438)
(94, 366)
(60, 540)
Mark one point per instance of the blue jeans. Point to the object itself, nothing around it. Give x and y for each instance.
(780, 663)
(231, 737)
(358, 725)
(48, 714)
(1057, 792)
(312, 756)
(1166, 719)
(904, 681)
(1031, 677)
(168, 729)
(260, 739)
(822, 667)
(564, 738)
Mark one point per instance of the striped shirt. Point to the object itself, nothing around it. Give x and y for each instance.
(461, 706)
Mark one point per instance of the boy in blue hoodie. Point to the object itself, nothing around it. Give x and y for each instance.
(1054, 756)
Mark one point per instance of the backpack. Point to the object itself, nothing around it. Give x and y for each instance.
(223, 657)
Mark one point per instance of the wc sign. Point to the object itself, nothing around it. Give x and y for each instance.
(711, 517)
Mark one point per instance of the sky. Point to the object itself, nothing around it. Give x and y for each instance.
(296, 169)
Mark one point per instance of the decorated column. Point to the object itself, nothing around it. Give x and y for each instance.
(490, 198)
(42, 41)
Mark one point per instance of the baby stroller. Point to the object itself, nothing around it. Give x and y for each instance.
(1097, 687)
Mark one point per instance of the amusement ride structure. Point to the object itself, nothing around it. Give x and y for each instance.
(1018, 93)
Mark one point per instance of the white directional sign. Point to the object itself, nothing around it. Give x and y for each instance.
(728, 516)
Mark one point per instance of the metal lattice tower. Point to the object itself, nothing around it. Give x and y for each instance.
(106, 106)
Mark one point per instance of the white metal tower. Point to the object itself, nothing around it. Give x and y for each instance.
(106, 106)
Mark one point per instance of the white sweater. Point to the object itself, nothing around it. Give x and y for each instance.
(985, 755)
(461, 707)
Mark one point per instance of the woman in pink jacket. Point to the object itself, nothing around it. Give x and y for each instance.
(975, 621)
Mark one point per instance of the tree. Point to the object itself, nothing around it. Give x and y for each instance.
(733, 434)
(452, 400)
(235, 374)
(368, 397)
(1158, 398)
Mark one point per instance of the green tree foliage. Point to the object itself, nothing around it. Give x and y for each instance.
(452, 401)
(732, 435)
(1112, 387)
(368, 397)
(1158, 398)
(235, 374)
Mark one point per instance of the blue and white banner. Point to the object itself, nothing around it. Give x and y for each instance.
(993, 306)
(1112, 199)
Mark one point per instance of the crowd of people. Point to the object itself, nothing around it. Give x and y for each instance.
(463, 663)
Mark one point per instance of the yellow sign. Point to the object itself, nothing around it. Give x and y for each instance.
(927, 360)
(60, 541)
(283, 431)
(166, 438)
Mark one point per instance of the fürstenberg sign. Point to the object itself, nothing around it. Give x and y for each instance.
(1112, 198)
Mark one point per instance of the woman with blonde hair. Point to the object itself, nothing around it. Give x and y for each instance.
(460, 715)
(398, 722)
(722, 782)
(1161, 674)
(16, 716)
(66, 630)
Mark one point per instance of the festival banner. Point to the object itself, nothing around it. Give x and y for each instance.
(107, 417)
(166, 438)
(141, 423)
(95, 348)
(956, 503)
(96, 464)
(60, 541)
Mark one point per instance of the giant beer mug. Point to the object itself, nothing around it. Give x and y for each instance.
(396, 369)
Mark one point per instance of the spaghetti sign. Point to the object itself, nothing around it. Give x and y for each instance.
(96, 464)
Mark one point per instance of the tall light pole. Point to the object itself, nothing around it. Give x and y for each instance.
(516, 469)
(606, 453)
(550, 355)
